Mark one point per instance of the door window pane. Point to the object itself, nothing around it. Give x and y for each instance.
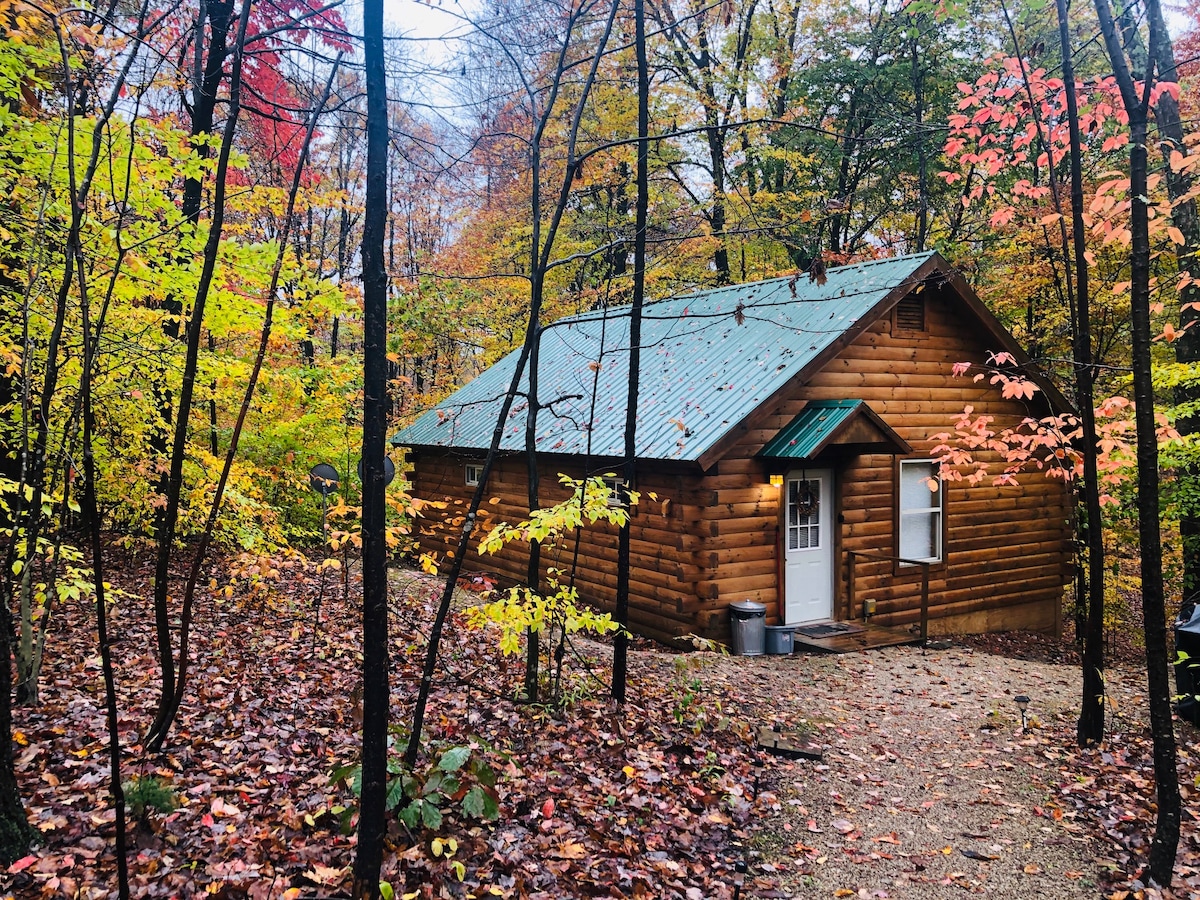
(804, 513)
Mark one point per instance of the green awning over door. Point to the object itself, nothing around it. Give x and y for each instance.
(828, 423)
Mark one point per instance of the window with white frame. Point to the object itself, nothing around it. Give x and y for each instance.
(618, 496)
(474, 473)
(921, 511)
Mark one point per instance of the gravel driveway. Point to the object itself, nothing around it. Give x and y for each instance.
(927, 787)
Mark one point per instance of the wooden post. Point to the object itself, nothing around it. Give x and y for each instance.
(850, 584)
(924, 602)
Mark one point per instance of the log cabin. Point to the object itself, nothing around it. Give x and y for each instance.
(785, 431)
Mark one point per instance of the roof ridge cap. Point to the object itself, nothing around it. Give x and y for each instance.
(626, 308)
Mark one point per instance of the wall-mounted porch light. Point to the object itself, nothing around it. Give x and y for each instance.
(777, 481)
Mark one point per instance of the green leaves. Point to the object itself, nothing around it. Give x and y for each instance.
(395, 793)
(460, 774)
(454, 759)
(421, 812)
(479, 804)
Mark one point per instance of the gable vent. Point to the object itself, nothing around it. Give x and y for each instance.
(910, 314)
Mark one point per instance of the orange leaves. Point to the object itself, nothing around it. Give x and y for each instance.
(1015, 115)
(1015, 388)
(569, 850)
(1115, 142)
(1034, 444)
(326, 876)
(1002, 216)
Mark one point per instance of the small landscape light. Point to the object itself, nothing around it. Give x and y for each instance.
(1022, 704)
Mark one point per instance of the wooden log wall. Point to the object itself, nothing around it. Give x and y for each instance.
(710, 539)
(669, 565)
(1007, 551)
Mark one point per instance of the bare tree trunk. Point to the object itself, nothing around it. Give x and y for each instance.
(542, 265)
(621, 642)
(170, 515)
(189, 591)
(1165, 844)
(208, 73)
(15, 831)
(372, 824)
(90, 347)
(1091, 712)
(1185, 217)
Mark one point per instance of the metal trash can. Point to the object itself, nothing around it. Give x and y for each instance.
(780, 640)
(747, 622)
(1187, 665)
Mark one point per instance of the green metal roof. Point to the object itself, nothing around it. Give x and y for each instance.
(818, 425)
(708, 360)
(804, 435)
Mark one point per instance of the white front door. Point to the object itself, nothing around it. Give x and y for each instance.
(808, 546)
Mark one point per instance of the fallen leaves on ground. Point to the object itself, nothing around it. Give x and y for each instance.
(600, 801)
(662, 797)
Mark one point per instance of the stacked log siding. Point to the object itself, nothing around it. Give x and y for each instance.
(704, 538)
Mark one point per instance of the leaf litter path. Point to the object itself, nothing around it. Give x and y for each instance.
(928, 786)
(926, 782)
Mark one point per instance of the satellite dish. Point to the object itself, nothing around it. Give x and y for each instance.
(389, 470)
(323, 479)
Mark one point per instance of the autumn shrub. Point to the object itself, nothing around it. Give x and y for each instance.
(521, 609)
(344, 525)
(558, 612)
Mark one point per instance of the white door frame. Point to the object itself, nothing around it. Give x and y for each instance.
(807, 538)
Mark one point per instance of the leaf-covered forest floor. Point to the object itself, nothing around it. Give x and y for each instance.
(927, 784)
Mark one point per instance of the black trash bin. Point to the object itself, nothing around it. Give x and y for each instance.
(748, 624)
(1187, 662)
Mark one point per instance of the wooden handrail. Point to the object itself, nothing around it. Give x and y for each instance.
(851, 588)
